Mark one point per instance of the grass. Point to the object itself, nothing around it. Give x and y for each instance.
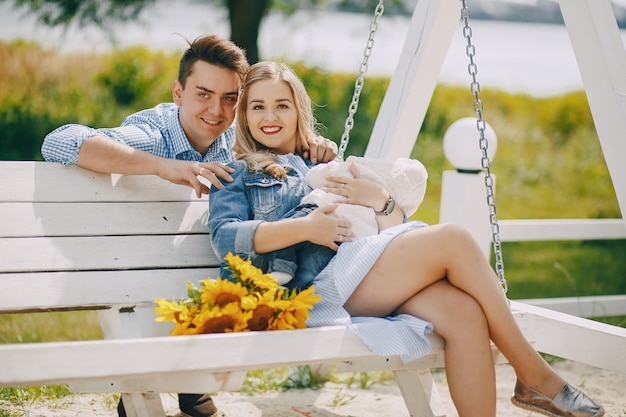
(14, 402)
(564, 269)
(49, 327)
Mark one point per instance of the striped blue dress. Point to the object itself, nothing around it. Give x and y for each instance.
(403, 334)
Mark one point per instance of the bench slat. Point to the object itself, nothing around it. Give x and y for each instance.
(48, 182)
(574, 338)
(47, 291)
(81, 219)
(106, 253)
(128, 358)
(192, 381)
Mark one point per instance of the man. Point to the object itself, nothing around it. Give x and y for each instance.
(179, 141)
(176, 141)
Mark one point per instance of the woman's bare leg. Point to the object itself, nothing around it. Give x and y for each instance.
(458, 318)
(416, 259)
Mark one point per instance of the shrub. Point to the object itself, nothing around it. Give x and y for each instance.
(548, 155)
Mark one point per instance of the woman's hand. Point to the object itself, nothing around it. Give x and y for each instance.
(358, 190)
(326, 228)
(366, 193)
(322, 227)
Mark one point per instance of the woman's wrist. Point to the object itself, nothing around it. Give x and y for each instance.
(387, 208)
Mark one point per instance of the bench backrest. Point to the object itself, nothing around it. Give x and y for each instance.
(74, 239)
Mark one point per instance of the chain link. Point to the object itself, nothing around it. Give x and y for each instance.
(470, 50)
(358, 85)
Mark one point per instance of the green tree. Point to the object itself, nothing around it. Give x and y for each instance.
(245, 16)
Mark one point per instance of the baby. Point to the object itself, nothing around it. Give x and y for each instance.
(404, 179)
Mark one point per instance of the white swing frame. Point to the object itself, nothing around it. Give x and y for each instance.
(601, 58)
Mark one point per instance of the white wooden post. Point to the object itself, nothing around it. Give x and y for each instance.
(117, 325)
(463, 192)
(425, 402)
(463, 202)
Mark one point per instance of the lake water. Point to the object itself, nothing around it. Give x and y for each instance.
(517, 57)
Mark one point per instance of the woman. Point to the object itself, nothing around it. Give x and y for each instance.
(392, 288)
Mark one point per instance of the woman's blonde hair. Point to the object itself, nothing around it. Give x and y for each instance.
(256, 155)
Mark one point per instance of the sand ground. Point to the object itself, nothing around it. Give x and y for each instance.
(338, 400)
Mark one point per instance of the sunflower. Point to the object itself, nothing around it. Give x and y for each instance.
(169, 310)
(252, 301)
(264, 281)
(268, 305)
(250, 276)
(229, 318)
(181, 314)
(221, 292)
(296, 310)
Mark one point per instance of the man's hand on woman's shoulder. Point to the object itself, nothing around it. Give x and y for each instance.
(321, 150)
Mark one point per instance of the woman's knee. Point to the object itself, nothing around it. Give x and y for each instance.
(472, 311)
(464, 317)
(432, 240)
(456, 238)
(454, 232)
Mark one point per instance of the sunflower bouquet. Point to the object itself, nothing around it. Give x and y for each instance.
(251, 301)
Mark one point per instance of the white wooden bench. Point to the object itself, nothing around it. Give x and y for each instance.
(71, 239)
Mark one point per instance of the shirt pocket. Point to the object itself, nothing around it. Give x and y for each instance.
(265, 195)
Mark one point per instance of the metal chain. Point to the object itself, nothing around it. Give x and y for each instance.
(358, 85)
(470, 50)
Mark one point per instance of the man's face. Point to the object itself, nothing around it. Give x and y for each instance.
(207, 103)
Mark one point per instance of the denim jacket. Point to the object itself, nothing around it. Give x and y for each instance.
(252, 198)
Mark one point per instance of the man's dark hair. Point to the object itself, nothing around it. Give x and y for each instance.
(213, 50)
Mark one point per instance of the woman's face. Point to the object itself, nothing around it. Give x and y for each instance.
(272, 116)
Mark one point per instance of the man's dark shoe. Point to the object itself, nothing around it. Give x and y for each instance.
(191, 405)
(196, 405)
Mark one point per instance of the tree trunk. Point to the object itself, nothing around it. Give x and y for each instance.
(245, 21)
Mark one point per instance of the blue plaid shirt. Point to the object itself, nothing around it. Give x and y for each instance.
(156, 130)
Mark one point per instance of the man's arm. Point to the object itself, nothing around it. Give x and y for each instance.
(93, 150)
(101, 154)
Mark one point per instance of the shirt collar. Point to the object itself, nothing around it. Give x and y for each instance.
(180, 143)
(219, 151)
